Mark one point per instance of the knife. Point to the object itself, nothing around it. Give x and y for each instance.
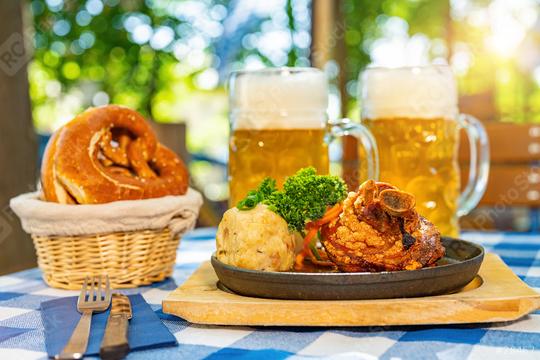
(115, 341)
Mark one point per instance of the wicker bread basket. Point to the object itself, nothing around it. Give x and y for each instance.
(133, 242)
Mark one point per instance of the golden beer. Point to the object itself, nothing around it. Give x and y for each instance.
(413, 114)
(279, 125)
(418, 155)
(255, 154)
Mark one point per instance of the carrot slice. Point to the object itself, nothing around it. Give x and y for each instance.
(309, 236)
(328, 216)
(313, 228)
(299, 260)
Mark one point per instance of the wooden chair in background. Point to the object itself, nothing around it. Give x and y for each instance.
(514, 179)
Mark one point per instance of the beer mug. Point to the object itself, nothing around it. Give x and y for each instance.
(413, 114)
(279, 125)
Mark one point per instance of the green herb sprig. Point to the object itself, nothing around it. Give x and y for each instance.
(305, 197)
(266, 188)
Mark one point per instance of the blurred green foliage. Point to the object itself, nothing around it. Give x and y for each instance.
(151, 55)
(105, 48)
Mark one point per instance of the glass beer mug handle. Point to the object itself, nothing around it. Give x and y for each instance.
(343, 127)
(479, 163)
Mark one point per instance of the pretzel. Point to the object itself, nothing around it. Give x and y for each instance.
(109, 154)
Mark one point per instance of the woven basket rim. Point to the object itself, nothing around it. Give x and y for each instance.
(37, 197)
(39, 217)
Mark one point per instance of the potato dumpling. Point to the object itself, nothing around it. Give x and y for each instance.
(256, 239)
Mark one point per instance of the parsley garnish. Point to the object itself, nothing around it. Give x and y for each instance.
(305, 197)
(266, 188)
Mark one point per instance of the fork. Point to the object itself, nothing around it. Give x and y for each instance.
(93, 299)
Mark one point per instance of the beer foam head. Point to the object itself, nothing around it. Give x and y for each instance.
(419, 92)
(278, 98)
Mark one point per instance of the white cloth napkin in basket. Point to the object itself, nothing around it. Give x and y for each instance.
(43, 218)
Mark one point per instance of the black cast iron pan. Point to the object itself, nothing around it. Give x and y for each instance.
(456, 269)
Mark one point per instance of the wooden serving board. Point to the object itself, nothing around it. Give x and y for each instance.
(496, 294)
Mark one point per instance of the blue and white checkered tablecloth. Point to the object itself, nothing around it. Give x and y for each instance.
(22, 334)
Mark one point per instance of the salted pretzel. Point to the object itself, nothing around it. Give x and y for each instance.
(108, 154)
